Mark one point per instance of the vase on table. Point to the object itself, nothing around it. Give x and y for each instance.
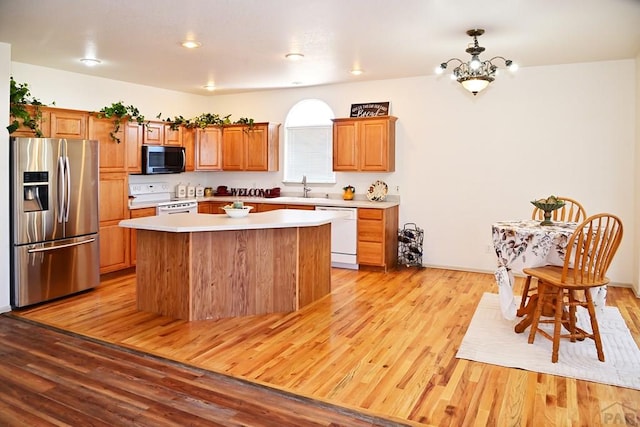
(547, 207)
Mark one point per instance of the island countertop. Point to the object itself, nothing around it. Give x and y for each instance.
(193, 222)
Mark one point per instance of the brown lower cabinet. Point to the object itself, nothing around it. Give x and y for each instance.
(378, 237)
(114, 240)
(137, 213)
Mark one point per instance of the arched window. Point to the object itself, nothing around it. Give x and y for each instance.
(308, 143)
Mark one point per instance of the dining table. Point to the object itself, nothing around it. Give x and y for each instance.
(523, 244)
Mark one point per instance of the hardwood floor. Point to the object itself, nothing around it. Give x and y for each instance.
(383, 344)
(53, 378)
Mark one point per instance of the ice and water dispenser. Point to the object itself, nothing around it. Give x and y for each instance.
(35, 191)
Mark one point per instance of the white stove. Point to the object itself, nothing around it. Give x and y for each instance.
(160, 194)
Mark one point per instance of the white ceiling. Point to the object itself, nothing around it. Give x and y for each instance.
(244, 41)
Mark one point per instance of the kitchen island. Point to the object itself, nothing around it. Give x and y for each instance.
(201, 266)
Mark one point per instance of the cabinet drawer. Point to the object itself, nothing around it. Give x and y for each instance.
(370, 214)
(370, 253)
(370, 230)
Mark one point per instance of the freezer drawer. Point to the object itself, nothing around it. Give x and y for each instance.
(45, 271)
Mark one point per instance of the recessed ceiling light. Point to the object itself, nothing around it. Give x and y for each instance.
(356, 72)
(210, 87)
(191, 44)
(90, 62)
(294, 56)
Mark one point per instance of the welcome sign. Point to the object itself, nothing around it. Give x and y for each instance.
(370, 109)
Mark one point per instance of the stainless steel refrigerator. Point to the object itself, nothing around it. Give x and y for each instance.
(54, 218)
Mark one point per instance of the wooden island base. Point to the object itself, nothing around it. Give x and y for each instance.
(215, 274)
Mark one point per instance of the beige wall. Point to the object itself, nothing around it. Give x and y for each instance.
(5, 73)
(463, 162)
(636, 278)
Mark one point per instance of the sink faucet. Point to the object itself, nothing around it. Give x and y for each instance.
(305, 189)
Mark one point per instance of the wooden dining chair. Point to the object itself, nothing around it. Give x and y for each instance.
(590, 251)
(572, 211)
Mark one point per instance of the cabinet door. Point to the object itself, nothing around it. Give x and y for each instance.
(257, 156)
(209, 148)
(113, 197)
(378, 237)
(133, 142)
(172, 136)
(345, 146)
(211, 207)
(204, 207)
(112, 154)
(153, 133)
(69, 124)
(137, 213)
(233, 148)
(114, 240)
(114, 248)
(189, 144)
(265, 207)
(370, 237)
(374, 145)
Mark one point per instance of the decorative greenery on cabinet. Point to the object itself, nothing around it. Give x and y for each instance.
(118, 111)
(19, 97)
(206, 119)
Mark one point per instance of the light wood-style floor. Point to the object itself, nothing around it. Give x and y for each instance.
(380, 343)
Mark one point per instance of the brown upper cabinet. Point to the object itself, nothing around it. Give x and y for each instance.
(161, 133)
(57, 123)
(364, 144)
(189, 144)
(113, 156)
(252, 148)
(133, 142)
(44, 123)
(153, 133)
(173, 136)
(208, 150)
(69, 124)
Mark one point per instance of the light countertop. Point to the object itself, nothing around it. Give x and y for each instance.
(193, 222)
(314, 201)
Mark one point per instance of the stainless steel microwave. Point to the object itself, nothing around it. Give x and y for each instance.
(162, 159)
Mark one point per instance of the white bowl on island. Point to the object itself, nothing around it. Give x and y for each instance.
(237, 212)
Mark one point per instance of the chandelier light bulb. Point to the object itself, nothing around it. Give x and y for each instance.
(475, 63)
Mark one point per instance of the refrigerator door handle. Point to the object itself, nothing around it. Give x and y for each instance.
(67, 202)
(61, 190)
(65, 245)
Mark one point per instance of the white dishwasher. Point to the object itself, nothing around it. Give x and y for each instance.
(344, 239)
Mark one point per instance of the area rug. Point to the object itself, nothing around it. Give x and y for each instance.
(491, 339)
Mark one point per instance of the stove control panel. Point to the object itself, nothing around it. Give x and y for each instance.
(149, 188)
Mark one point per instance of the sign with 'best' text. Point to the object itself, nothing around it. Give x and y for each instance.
(370, 109)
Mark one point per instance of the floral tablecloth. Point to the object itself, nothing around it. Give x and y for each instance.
(521, 244)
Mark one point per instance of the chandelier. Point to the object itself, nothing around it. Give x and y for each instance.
(475, 75)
